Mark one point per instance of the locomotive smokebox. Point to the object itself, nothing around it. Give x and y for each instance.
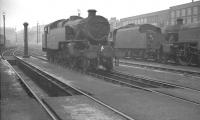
(91, 12)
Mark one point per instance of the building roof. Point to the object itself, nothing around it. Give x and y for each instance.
(147, 14)
(195, 3)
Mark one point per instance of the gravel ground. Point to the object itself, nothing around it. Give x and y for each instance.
(165, 65)
(174, 78)
(15, 103)
(138, 104)
(80, 108)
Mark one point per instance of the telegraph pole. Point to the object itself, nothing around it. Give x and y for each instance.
(4, 30)
(15, 34)
(0, 24)
(37, 32)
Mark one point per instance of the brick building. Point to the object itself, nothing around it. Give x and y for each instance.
(159, 18)
(113, 23)
(190, 12)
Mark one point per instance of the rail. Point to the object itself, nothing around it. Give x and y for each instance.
(182, 71)
(134, 83)
(52, 78)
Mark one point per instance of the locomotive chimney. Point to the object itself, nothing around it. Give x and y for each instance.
(179, 21)
(91, 12)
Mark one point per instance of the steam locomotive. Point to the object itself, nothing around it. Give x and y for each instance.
(178, 43)
(79, 42)
(182, 43)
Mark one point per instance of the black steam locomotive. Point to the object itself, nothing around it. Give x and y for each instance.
(178, 43)
(182, 43)
(79, 43)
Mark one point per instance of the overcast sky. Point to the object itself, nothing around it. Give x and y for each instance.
(46, 11)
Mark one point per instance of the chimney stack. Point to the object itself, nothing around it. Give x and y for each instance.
(79, 12)
(92, 12)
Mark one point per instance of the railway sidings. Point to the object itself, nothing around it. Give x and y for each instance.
(132, 102)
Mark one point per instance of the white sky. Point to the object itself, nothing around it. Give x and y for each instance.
(46, 11)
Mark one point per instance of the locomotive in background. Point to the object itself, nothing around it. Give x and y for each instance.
(79, 43)
(182, 43)
(137, 41)
(179, 43)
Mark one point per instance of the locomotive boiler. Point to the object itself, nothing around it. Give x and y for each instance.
(79, 42)
(138, 41)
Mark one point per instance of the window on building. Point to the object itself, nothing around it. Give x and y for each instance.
(156, 19)
(195, 19)
(184, 20)
(172, 22)
(199, 19)
(124, 23)
(195, 10)
(172, 14)
(133, 21)
(189, 19)
(177, 13)
(136, 22)
(139, 21)
(166, 23)
(153, 19)
(142, 21)
(183, 12)
(189, 11)
(127, 22)
(145, 20)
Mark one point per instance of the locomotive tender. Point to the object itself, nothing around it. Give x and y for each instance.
(140, 41)
(79, 42)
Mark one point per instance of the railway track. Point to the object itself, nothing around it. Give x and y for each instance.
(140, 82)
(28, 88)
(63, 88)
(180, 71)
(143, 83)
(152, 81)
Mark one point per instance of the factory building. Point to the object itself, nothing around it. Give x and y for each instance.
(189, 12)
(159, 18)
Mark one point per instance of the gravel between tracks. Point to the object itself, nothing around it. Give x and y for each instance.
(174, 78)
(141, 105)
